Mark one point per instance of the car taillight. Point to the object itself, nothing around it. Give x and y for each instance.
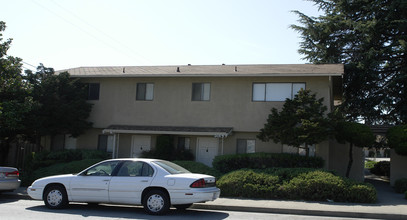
(198, 184)
(12, 174)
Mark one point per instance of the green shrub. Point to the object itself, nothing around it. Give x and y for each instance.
(360, 192)
(248, 184)
(369, 164)
(381, 168)
(196, 167)
(315, 186)
(400, 185)
(228, 163)
(298, 184)
(35, 161)
(57, 169)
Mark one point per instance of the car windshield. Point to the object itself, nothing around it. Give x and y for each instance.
(171, 167)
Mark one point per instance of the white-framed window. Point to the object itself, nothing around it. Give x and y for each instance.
(105, 143)
(70, 142)
(201, 91)
(145, 91)
(93, 91)
(183, 143)
(245, 146)
(275, 91)
(299, 150)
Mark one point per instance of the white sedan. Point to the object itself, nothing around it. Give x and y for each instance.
(155, 184)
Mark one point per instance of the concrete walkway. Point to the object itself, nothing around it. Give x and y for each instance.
(390, 205)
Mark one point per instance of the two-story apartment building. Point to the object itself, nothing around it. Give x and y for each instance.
(211, 110)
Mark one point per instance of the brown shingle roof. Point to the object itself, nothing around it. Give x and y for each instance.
(209, 70)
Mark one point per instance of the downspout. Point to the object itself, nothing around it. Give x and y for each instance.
(114, 147)
(222, 145)
(118, 144)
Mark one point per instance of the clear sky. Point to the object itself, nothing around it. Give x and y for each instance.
(71, 33)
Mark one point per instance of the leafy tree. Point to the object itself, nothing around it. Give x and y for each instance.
(369, 38)
(60, 105)
(355, 134)
(397, 139)
(14, 98)
(301, 121)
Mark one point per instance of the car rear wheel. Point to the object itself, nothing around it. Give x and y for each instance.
(55, 197)
(156, 202)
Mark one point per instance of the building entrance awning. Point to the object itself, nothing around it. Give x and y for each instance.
(172, 130)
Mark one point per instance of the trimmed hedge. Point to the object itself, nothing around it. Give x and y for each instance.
(37, 161)
(228, 163)
(196, 167)
(298, 184)
(57, 169)
(400, 185)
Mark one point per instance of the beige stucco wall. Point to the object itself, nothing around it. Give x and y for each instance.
(230, 102)
(230, 105)
(89, 140)
(339, 158)
(398, 165)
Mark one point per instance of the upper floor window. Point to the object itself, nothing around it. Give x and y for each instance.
(275, 91)
(93, 91)
(145, 91)
(201, 91)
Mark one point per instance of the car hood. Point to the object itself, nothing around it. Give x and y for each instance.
(65, 178)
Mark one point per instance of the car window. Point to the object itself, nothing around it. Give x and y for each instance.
(135, 168)
(171, 167)
(103, 169)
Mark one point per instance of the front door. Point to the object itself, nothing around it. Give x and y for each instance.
(207, 150)
(140, 143)
(93, 184)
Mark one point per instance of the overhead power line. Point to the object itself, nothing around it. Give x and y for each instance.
(133, 54)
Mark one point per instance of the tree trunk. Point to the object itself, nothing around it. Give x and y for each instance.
(350, 159)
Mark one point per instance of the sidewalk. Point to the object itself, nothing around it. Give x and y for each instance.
(390, 205)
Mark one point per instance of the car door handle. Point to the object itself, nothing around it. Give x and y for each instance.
(144, 181)
(106, 180)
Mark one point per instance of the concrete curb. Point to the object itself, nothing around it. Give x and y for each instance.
(300, 212)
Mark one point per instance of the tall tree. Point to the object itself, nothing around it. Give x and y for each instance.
(397, 139)
(302, 121)
(369, 37)
(14, 99)
(60, 105)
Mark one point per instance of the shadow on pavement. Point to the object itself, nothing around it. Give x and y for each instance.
(130, 212)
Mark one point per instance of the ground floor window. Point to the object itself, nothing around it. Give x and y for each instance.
(70, 142)
(183, 143)
(246, 146)
(105, 143)
(299, 150)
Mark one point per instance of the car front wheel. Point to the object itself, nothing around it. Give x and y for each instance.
(55, 197)
(156, 202)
